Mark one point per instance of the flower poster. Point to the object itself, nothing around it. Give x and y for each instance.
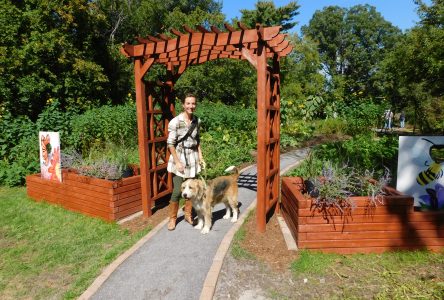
(420, 170)
(50, 167)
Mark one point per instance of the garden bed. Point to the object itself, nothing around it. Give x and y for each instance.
(368, 228)
(110, 200)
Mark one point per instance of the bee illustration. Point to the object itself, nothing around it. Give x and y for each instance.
(434, 171)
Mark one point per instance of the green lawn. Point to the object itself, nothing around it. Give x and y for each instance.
(48, 252)
(391, 275)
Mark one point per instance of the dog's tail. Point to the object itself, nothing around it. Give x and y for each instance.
(232, 169)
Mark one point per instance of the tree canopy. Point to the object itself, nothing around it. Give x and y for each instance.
(49, 51)
(267, 14)
(352, 42)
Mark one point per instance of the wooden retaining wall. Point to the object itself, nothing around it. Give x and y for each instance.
(393, 225)
(106, 199)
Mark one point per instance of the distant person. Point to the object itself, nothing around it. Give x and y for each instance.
(388, 117)
(402, 120)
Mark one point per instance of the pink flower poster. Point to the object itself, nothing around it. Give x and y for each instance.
(50, 167)
(421, 170)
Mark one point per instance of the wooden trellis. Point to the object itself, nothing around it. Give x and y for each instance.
(155, 100)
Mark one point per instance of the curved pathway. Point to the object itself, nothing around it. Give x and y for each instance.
(180, 264)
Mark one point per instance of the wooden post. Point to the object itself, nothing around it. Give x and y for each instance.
(139, 71)
(261, 136)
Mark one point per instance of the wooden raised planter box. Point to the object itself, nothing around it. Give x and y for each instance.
(110, 200)
(391, 225)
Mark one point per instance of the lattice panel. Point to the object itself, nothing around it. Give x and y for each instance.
(272, 160)
(160, 129)
(158, 115)
(273, 121)
(159, 183)
(157, 103)
(272, 153)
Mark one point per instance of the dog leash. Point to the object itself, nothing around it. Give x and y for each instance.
(203, 175)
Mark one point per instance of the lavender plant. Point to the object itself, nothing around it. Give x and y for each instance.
(110, 163)
(375, 188)
(333, 188)
(335, 185)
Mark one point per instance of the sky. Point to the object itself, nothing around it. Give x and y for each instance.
(401, 13)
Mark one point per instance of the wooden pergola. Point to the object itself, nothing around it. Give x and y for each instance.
(155, 99)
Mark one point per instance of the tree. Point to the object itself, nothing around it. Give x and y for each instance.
(268, 15)
(48, 50)
(130, 18)
(301, 78)
(352, 43)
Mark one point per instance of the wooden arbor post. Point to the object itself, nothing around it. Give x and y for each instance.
(196, 47)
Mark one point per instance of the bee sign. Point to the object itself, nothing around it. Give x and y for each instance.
(50, 167)
(420, 170)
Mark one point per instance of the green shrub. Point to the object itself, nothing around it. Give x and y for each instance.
(12, 131)
(107, 124)
(22, 160)
(222, 148)
(217, 116)
(19, 149)
(295, 132)
(290, 110)
(54, 119)
(362, 117)
(329, 126)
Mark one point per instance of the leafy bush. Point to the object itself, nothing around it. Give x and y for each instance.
(362, 117)
(295, 132)
(19, 147)
(362, 152)
(107, 124)
(22, 160)
(217, 116)
(222, 148)
(290, 111)
(54, 119)
(329, 126)
(19, 154)
(314, 107)
(12, 131)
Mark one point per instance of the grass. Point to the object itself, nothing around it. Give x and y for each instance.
(48, 252)
(236, 248)
(312, 262)
(391, 275)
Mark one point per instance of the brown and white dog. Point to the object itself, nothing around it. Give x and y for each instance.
(205, 195)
